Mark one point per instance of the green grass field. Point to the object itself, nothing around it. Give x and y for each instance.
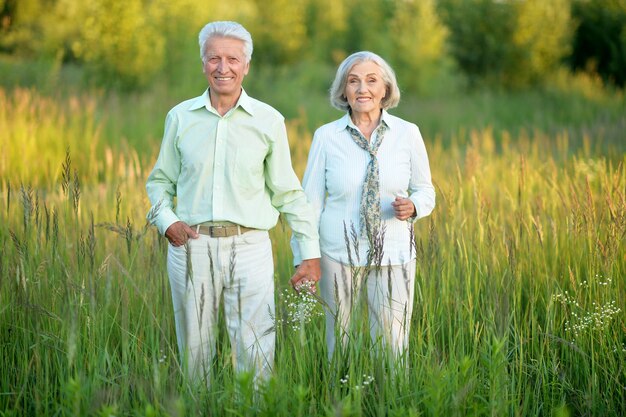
(520, 290)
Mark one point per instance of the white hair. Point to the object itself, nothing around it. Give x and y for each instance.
(338, 89)
(225, 29)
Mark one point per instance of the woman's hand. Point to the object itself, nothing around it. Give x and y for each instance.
(403, 208)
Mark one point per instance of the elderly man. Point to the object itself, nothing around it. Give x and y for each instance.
(225, 157)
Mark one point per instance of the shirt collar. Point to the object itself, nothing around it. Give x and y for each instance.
(346, 121)
(245, 102)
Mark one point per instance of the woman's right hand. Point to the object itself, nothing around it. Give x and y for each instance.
(403, 208)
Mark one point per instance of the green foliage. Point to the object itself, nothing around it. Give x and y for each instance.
(481, 33)
(278, 30)
(510, 44)
(121, 44)
(600, 39)
(368, 26)
(434, 46)
(132, 53)
(20, 28)
(418, 39)
(327, 29)
(541, 39)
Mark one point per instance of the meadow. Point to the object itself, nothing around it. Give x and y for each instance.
(520, 290)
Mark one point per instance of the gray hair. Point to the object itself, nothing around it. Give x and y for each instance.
(337, 90)
(225, 29)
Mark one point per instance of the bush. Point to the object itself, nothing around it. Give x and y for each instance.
(509, 44)
(480, 37)
(418, 38)
(599, 43)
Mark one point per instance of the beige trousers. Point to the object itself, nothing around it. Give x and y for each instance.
(240, 269)
(389, 295)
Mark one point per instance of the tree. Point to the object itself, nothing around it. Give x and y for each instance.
(368, 25)
(541, 40)
(20, 25)
(278, 30)
(326, 29)
(121, 41)
(480, 38)
(599, 43)
(511, 43)
(418, 37)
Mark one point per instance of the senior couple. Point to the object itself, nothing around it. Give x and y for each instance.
(225, 159)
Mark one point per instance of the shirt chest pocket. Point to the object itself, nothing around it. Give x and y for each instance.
(249, 167)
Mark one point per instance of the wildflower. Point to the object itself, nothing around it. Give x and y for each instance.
(581, 321)
(365, 381)
(302, 307)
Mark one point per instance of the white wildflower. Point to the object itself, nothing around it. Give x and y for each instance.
(301, 307)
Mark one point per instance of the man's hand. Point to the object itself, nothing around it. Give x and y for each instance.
(178, 233)
(307, 274)
(403, 208)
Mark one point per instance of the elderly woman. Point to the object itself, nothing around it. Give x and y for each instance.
(368, 179)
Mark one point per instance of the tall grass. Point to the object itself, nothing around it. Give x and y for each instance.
(520, 290)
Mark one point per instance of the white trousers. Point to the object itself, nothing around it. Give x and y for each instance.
(241, 269)
(389, 294)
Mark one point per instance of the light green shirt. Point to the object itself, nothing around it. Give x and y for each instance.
(235, 167)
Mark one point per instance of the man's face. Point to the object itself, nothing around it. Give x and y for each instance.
(225, 66)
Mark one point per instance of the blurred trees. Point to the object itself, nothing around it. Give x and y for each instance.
(20, 25)
(541, 39)
(600, 39)
(418, 44)
(279, 30)
(121, 41)
(480, 37)
(327, 26)
(510, 43)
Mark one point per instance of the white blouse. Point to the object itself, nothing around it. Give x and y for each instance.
(333, 183)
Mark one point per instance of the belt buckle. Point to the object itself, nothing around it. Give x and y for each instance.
(217, 231)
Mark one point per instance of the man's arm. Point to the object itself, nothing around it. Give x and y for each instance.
(288, 197)
(161, 183)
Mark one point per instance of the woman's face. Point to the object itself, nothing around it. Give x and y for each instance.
(365, 88)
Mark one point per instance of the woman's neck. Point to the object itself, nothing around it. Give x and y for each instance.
(366, 122)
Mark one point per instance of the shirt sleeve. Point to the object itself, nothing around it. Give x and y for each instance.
(314, 184)
(287, 195)
(421, 190)
(161, 183)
